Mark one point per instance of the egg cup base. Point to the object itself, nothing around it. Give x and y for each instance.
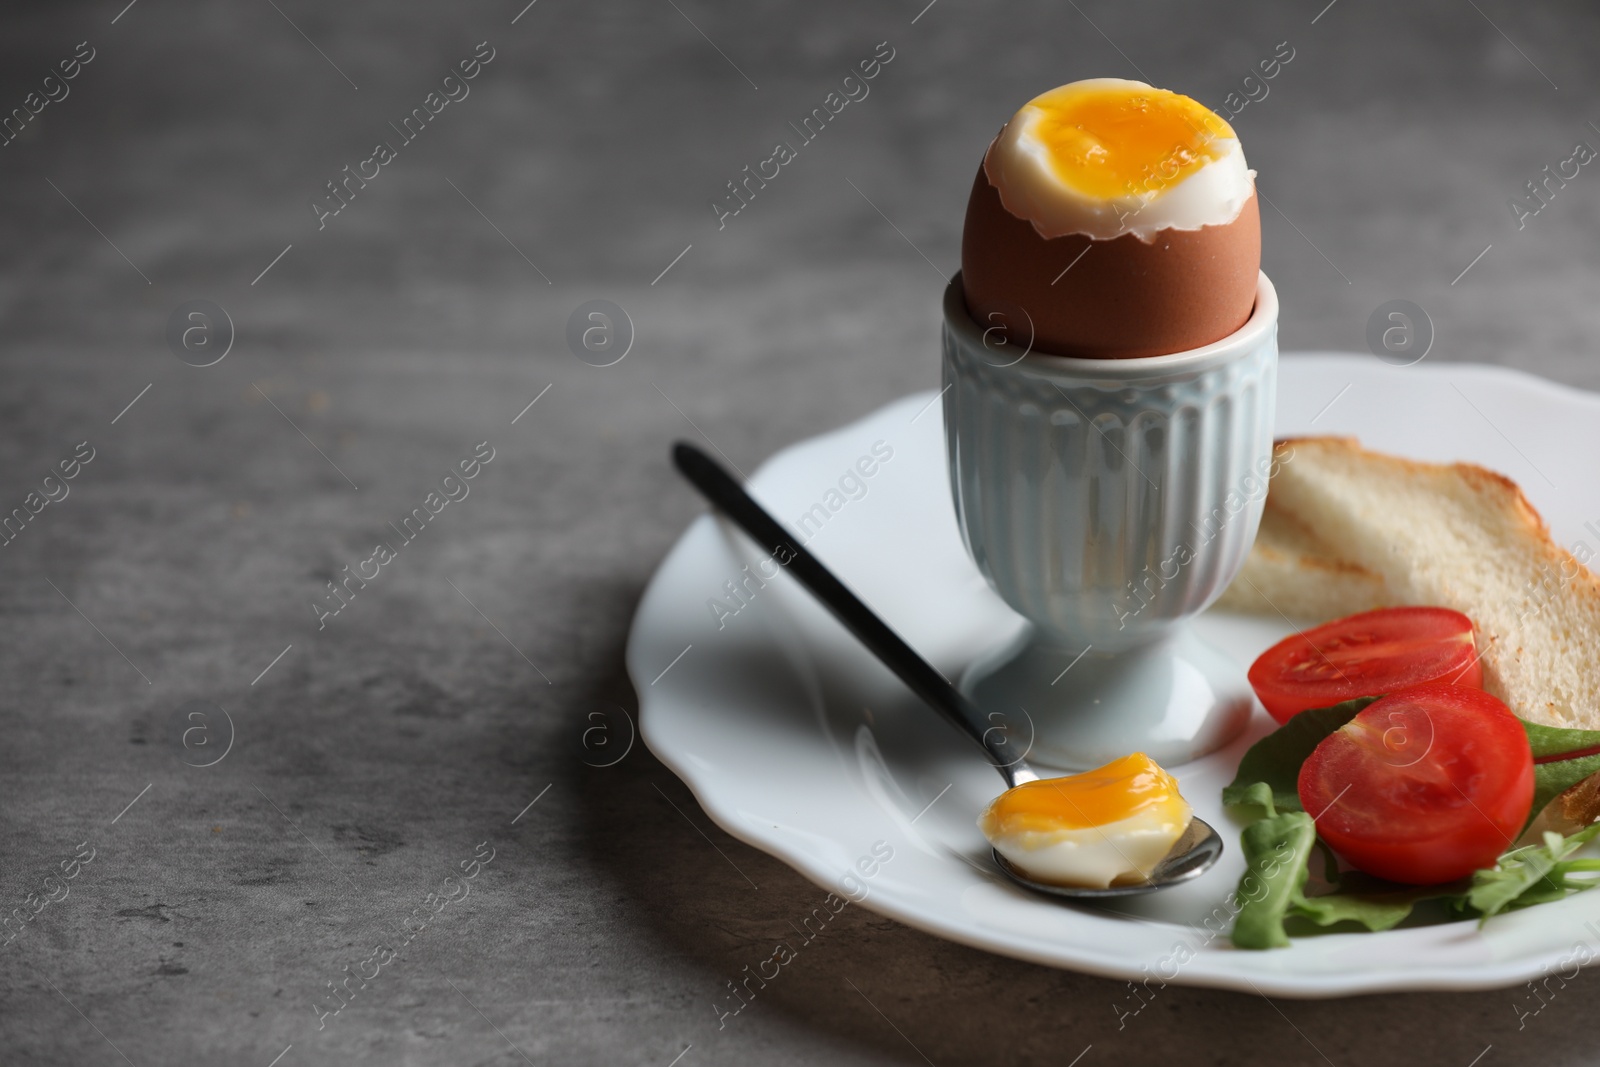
(1175, 699)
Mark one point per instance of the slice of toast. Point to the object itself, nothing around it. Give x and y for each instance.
(1462, 537)
(1293, 572)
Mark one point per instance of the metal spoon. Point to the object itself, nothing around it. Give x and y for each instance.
(1191, 856)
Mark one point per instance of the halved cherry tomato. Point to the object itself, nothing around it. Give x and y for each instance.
(1424, 786)
(1370, 654)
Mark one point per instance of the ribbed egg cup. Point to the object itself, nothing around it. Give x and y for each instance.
(1109, 501)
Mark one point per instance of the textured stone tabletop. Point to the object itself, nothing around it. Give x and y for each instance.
(264, 790)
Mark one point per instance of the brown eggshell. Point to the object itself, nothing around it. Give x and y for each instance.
(1124, 298)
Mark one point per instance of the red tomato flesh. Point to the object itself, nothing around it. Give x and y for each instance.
(1370, 654)
(1424, 786)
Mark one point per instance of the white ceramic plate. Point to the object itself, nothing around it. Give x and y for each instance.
(795, 740)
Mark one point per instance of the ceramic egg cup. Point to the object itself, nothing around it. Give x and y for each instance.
(1109, 501)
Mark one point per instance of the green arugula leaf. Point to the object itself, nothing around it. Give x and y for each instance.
(1259, 794)
(1375, 911)
(1275, 759)
(1547, 741)
(1275, 852)
(1555, 777)
(1550, 780)
(1376, 903)
(1532, 874)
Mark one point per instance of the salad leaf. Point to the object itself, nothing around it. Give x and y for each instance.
(1277, 849)
(1275, 852)
(1275, 759)
(1376, 911)
(1552, 779)
(1568, 757)
(1547, 741)
(1533, 874)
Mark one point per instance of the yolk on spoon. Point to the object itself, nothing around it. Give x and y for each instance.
(1111, 824)
(1107, 141)
(1105, 795)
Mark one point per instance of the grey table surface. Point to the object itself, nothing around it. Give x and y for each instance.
(171, 591)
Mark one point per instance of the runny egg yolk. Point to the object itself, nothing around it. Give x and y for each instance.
(1112, 824)
(1115, 139)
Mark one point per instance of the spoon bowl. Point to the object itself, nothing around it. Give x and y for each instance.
(1192, 855)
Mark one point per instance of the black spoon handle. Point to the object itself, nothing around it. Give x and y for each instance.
(719, 487)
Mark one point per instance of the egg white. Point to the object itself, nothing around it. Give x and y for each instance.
(1019, 166)
(1097, 856)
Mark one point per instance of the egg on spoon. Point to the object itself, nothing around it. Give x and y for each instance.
(1109, 826)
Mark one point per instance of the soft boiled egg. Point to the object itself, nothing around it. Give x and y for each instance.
(1111, 219)
(1111, 825)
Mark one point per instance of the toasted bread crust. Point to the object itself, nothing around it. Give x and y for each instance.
(1457, 535)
